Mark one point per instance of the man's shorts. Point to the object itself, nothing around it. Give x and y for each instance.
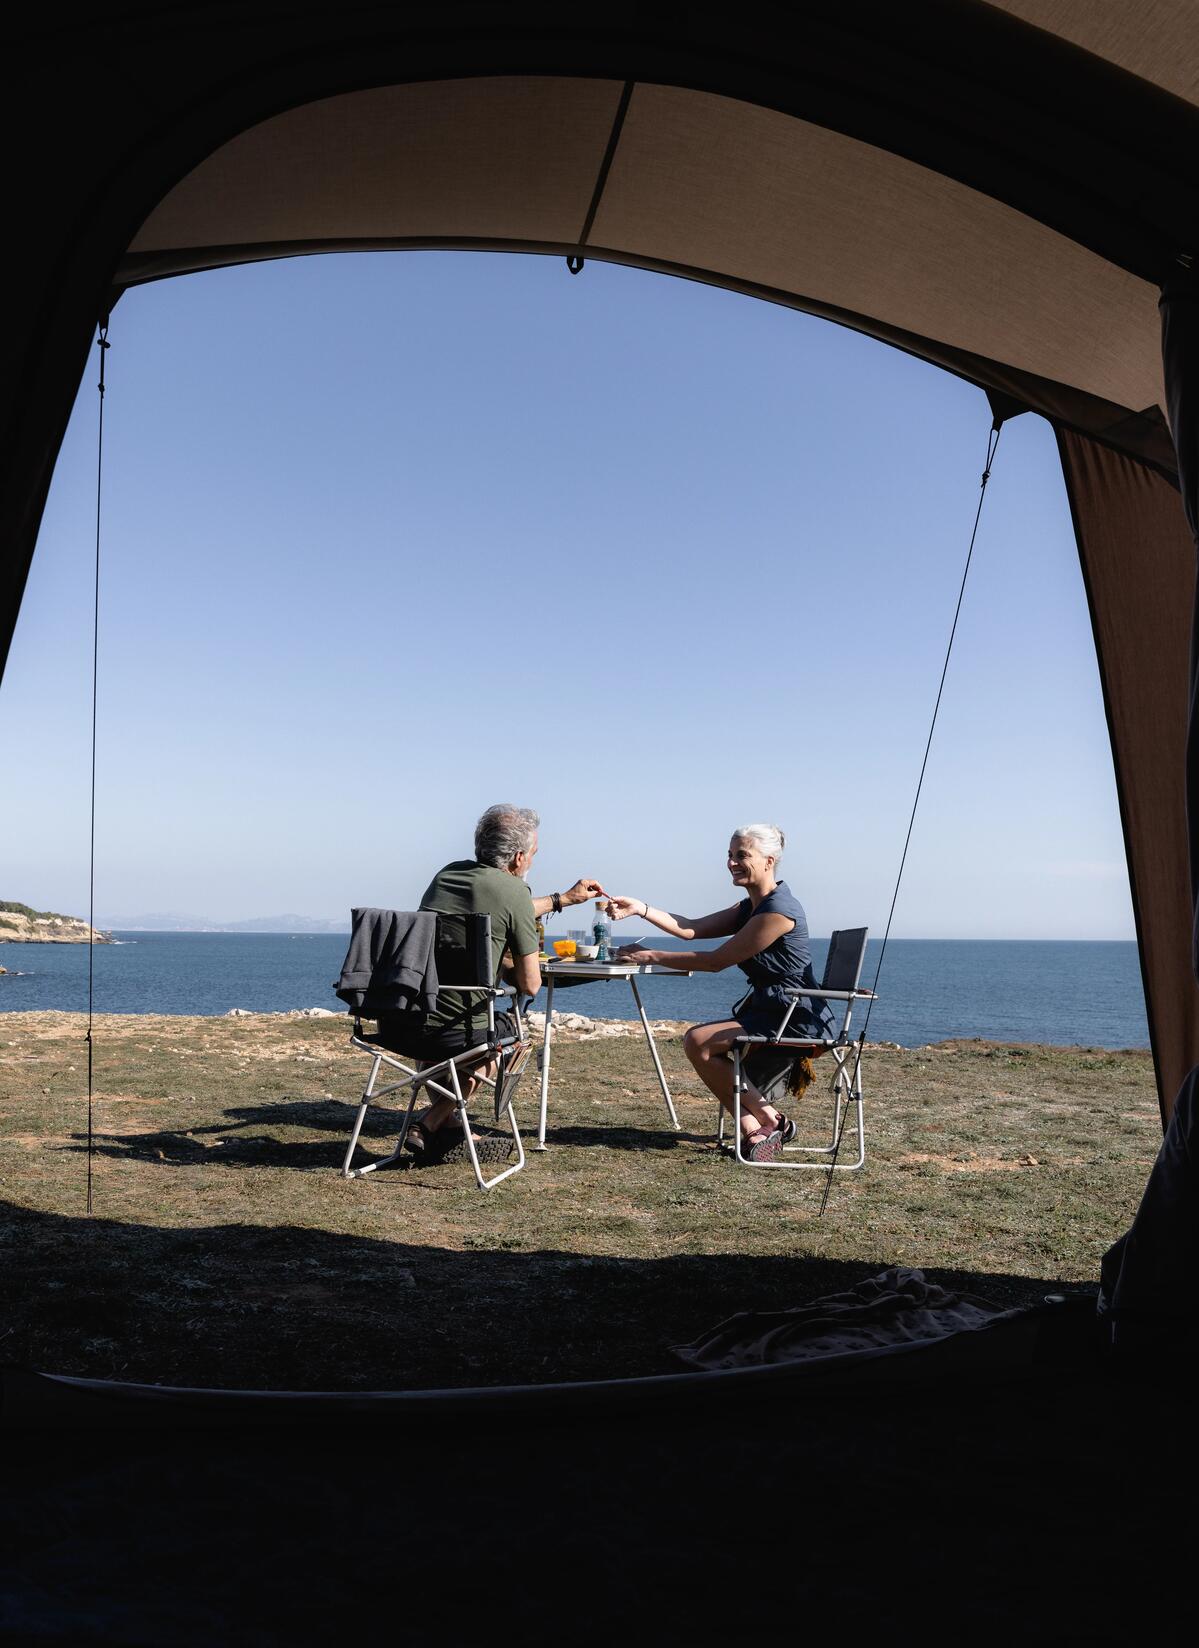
(406, 1033)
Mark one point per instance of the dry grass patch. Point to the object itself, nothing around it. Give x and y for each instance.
(226, 1248)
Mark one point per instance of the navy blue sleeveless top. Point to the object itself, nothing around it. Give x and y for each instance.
(785, 965)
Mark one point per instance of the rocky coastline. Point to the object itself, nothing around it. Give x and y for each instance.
(19, 924)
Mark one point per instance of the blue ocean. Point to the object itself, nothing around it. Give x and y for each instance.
(1058, 991)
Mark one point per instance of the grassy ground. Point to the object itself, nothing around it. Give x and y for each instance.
(225, 1248)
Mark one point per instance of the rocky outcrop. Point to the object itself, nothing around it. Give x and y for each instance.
(578, 1027)
(21, 925)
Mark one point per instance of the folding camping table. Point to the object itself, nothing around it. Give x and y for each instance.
(579, 972)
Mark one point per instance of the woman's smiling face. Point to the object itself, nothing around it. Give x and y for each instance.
(746, 862)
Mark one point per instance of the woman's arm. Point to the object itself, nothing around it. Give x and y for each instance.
(758, 934)
(718, 925)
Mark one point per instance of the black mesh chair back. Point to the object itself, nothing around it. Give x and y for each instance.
(843, 964)
(463, 949)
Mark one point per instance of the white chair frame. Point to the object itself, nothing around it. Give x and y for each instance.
(414, 1079)
(846, 1084)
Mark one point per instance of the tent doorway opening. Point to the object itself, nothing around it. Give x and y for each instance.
(627, 570)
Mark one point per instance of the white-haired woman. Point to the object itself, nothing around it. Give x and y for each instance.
(767, 935)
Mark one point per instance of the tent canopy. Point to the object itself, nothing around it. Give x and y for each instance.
(997, 188)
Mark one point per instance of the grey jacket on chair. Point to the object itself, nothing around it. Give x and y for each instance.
(390, 965)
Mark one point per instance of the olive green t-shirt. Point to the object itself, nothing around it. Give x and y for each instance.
(470, 888)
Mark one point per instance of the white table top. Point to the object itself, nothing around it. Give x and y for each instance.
(605, 969)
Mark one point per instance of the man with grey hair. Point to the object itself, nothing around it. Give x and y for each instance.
(494, 883)
(505, 833)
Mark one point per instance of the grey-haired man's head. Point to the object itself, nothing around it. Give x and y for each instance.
(503, 832)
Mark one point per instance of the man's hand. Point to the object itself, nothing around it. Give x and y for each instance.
(582, 890)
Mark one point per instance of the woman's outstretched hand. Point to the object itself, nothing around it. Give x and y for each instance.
(619, 908)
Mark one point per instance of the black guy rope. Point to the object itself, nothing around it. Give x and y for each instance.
(992, 444)
(102, 346)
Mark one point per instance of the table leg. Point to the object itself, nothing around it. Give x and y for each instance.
(653, 1053)
(545, 1061)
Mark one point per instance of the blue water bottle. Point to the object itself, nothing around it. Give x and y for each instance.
(601, 933)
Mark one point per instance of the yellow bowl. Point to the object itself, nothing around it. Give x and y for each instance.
(564, 947)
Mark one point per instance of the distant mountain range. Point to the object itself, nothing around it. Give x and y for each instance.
(172, 922)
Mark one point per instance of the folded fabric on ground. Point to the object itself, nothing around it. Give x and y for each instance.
(895, 1310)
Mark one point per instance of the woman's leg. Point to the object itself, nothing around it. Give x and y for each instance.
(709, 1048)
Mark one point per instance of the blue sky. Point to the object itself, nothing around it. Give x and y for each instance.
(390, 537)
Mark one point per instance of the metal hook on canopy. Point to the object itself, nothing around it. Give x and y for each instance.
(575, 263)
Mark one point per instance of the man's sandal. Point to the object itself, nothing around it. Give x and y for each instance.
(418, 1140)
(448, 1145)
(489, 1147)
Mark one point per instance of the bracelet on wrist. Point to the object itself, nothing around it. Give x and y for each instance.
(556, 901)
(645, 915)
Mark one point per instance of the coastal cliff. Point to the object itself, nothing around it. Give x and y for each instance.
(21, 925)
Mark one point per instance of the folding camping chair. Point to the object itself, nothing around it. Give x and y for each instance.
(465, 942)
(766, 1061)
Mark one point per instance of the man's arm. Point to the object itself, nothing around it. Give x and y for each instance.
(523, 970)
(525, 974)
(582, 890)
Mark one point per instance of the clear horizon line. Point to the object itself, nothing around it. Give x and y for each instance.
(905, 938)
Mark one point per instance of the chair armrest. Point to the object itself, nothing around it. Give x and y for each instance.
(786, 1041)
(832, 995)
(491, 990)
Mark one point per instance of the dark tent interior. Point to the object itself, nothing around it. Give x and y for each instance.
(1007, 190)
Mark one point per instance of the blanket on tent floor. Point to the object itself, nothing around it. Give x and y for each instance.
(895, 1310)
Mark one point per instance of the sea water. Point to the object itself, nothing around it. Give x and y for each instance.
(1068, 992)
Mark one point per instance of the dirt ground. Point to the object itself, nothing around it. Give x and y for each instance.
(226, 1249)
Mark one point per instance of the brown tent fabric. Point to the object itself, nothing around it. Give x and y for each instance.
(1139, 569)
(743, 195)
(1157, 42)
(998, 188)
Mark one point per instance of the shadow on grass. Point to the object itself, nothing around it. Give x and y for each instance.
(283, 1307)
(235, 1145)
(966, 1496)
(625, 1138)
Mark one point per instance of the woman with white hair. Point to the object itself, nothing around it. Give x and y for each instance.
(767, 935)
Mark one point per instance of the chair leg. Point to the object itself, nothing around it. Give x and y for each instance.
(448, 1087)
(498, 1178)
(414, 1081)
(847, 1094)
(367, 1093)
(738, 1085)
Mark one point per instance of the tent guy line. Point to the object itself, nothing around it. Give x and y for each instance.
(102, 345)
(992, 446)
